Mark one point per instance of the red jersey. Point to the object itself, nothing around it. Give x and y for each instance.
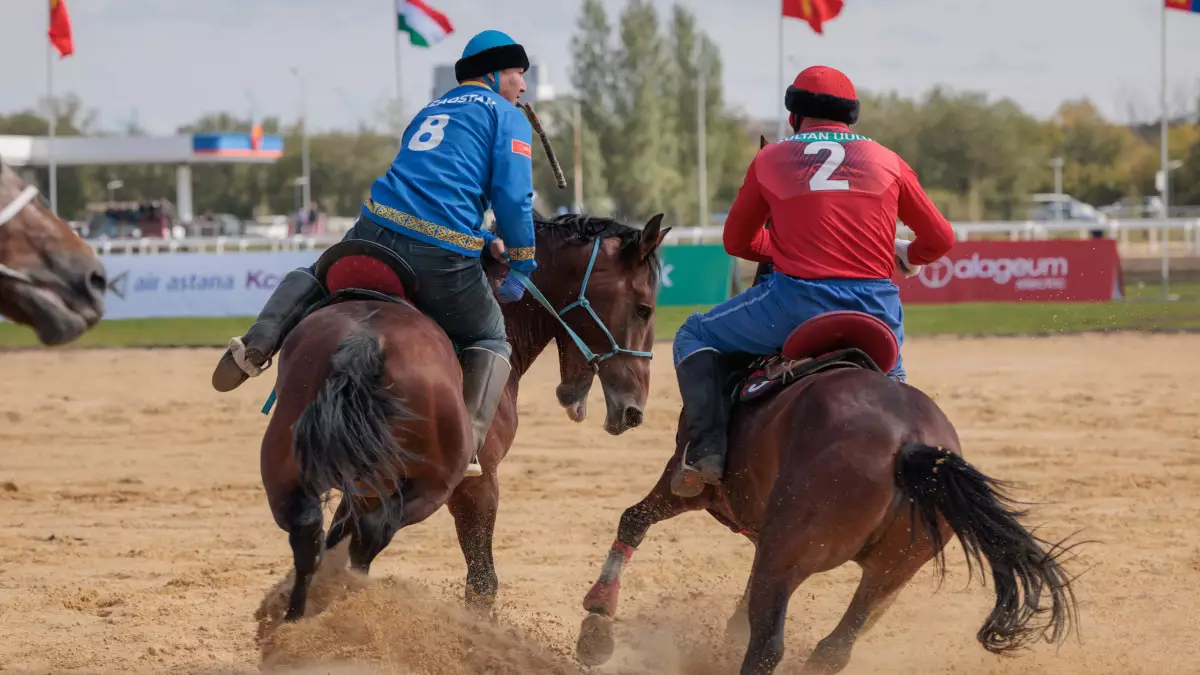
(833, 197)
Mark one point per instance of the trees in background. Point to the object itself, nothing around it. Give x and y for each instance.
(638, 78)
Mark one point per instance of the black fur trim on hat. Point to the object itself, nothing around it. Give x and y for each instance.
(821, 106)
(491, 60)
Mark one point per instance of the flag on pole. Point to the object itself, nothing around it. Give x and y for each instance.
(1184, 5)
(817, 12)
(60, 28)
(425, 26)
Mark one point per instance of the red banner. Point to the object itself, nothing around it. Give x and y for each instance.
(1066, 270)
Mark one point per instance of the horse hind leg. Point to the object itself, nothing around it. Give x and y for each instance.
(887, 566)
(303, 520)
(340, 526)
(737, 629)
(375, 528)
(775, 577)
(801, 538)
(877, 590)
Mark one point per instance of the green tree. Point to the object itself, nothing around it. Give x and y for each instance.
(646, 176)
(592, 75)
(1101, 160)
(76, 185)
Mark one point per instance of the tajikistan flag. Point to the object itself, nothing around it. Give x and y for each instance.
(425, 26)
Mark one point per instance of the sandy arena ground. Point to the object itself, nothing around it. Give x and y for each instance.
(134, 535)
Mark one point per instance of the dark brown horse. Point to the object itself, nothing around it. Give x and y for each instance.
(831, 461)
(50, 279)
(370, 398)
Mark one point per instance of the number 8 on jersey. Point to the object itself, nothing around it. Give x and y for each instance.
(430, 133)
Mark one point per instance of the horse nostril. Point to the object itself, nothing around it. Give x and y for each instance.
(633, 416)
(98, 281)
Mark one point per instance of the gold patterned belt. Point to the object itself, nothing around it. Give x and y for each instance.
(409, 222)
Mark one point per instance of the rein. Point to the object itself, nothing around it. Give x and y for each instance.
(593, 359)
(7, 213)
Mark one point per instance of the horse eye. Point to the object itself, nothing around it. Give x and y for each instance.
(644, 312)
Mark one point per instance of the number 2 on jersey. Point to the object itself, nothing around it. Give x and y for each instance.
(820, 180)
(430, 134)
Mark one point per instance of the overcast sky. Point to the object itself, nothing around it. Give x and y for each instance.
(168, 61)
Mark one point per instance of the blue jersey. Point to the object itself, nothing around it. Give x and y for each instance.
(464, 152)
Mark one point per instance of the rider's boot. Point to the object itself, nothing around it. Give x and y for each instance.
(706, 414)
(485, 373)
(249, 355)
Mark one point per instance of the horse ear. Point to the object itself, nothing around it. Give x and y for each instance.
(762, 142)
(652, 236)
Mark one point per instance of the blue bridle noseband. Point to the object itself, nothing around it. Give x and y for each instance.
(592, 358)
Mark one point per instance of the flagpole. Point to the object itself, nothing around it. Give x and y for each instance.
(1166, 186)
(53, 115)
(396, 33)
(779, 76)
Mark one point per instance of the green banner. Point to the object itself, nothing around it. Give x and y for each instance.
(695, 275)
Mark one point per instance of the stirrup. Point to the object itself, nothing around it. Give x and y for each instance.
(237, 349)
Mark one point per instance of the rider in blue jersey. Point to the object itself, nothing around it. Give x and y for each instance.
(461, 154)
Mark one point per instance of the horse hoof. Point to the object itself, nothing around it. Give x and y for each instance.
(737, 630)
(292, 616)
(595, 646)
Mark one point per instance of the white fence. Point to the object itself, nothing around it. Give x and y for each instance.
(1134, 236)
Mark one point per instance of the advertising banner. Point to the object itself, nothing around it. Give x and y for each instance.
(695, 275)
(238, 284)
(1067, 270)
(195, 284)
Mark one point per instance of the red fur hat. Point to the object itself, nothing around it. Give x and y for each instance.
(822, 92)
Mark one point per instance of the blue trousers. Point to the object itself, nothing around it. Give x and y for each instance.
(759, 320)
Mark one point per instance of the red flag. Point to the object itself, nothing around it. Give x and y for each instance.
(1184, 5)
(60, 28)
(815, 12)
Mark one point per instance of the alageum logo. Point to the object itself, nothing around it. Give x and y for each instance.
(1027, 273)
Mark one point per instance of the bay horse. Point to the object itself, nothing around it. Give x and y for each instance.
(830, 461)
(369, 391)
(50, 279)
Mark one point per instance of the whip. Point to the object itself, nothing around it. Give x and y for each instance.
(559, 178)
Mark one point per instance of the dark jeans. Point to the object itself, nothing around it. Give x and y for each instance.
(454, 291)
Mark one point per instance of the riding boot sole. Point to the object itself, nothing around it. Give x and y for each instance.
(686, 482)
(690, 480)
(228, 376)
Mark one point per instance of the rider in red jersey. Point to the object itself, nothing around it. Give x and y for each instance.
(833, 197)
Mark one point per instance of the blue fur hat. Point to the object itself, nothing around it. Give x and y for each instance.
(488, 52)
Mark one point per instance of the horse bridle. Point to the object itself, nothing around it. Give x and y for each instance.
(593, 359)
(7, 213)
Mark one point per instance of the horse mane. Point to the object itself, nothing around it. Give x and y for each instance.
(581, 228)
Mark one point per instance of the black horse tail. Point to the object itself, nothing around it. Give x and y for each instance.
(343, 439)
(1024, 567)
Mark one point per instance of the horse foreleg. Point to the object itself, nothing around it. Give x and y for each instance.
(596, 643)
(301, 517)
(474, 505)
